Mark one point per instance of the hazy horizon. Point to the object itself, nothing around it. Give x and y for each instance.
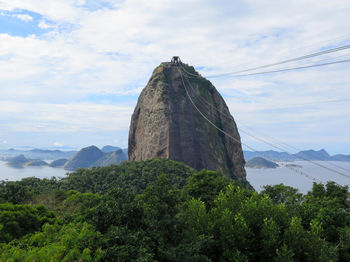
(68, 148)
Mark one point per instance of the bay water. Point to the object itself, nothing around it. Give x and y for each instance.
(322, 170)
(257, 177)
(13, 174)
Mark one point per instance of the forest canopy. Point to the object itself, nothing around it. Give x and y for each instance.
(162, 210)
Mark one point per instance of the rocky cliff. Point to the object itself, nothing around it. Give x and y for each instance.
(166, 124)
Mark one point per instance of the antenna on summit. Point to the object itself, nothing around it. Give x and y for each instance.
(176, 60)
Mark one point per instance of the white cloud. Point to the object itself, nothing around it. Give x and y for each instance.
(43, 25)
(24, 17)
(58, 144)
(113, 51)
(43, 117)
(61, 11)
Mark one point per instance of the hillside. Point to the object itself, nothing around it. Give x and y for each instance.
(84, 158)
(58, 163)
(314, 155)
(92, 156)
(260, 163)
(109, 149)
(112, 158)
(18, 161)
(36, 162)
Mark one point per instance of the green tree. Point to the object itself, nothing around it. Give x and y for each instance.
(19, 220)
(282, 194)
(205, 185)
(71, 242)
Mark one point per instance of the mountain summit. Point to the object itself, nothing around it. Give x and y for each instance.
(166, 124)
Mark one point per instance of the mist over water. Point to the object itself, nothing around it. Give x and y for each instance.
(272, 176)
(12, 174)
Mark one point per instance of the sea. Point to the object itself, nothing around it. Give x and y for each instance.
(301, 177)
(14, 174)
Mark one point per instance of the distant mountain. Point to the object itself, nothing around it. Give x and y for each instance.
(109, 149)
(340, 157)
(42, 154)
(275, 155)
(259, 163)
(18, 161)
(21, 161)
(125, 151)
(58, 163)
(113, 158)
(84, 158)
(321, 155)
(92, 156)
(36, 162)
(69, 160)
(314, 155)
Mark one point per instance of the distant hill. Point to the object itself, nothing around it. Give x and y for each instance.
(109, 149)
(113, 158)
(340, 157)
(278, 156)
(36, 162)
(125, 151)
(259, 162)
(58, 163)
(92, 156)
(18, 161)
(84, 158)
(21, 161)
(321, 155)
(42, 154)
(71, 160)
(314, 155)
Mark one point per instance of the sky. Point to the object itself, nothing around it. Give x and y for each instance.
(71, 70)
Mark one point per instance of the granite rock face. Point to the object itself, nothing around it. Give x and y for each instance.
(166, 124)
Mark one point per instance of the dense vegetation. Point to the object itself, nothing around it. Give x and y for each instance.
(161, 210)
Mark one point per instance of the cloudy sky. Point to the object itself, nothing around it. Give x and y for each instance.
(71, 70)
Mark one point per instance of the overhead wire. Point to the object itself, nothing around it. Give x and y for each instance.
(281, 147)
(327, 42)
(284, 145)
(196, 75)
(294, 68)
(327, 51)
(266, 142)
(279, 70)
(232, 137)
